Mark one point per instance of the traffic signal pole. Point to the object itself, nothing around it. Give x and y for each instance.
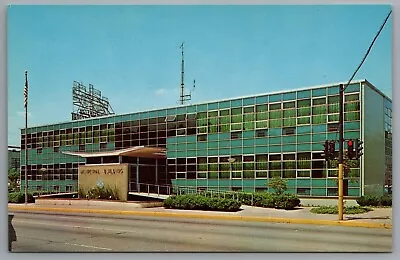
(340, 175)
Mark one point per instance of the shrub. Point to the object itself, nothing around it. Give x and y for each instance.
(246, 198)
(279, 185)
(334, 210)
(199, 202)
(99, 193)
(19, 197)
(386, 200)
(368, 201)
(286, 201)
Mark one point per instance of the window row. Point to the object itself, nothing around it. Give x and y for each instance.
(249, 174)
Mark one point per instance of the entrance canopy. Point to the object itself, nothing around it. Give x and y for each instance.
(136, 151)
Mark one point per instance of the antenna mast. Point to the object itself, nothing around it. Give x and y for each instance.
(184, 97)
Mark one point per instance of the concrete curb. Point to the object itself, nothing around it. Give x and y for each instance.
(347, 223)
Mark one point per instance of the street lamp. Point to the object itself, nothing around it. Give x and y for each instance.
(231, 161)
(43, 171)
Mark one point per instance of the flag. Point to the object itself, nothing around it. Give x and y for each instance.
(26, 90)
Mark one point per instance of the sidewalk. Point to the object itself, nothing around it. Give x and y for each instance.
(378, 218)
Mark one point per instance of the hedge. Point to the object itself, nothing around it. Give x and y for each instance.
(385, 200)
(259, 199)
(199, 202)
(19, 197)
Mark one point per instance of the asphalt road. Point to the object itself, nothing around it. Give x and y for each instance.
(44, 232)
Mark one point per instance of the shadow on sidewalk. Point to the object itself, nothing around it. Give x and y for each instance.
(354, 218)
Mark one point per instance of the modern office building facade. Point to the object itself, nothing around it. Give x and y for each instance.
(233, 144)
(14, 159)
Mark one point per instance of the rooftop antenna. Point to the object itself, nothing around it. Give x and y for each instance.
(184, 97)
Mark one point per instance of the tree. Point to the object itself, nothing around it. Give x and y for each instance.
(13, 177)
(278, 184)
(347, 164)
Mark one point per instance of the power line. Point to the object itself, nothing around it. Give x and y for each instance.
(365, 56)
(369, 49)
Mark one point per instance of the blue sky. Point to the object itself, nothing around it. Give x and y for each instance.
(131, 53)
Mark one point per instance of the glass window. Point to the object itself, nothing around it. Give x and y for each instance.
(275, 114)
(261, 108)
(275, 106)
(236, 135)
(212, 113)
(333, 127)
(262, 124)
(303, 120)
(289, 122)
(304, 103)
(303, 191)
(224, 112)
(320, 119)
(249, 109)
(288, 131)
(318, 110)
(275, 123)
(319, 101)
(289, 113)
(236, 111)
(201, 138)
(291, 104)
(333, 118)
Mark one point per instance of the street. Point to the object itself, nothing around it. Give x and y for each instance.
(48, 232)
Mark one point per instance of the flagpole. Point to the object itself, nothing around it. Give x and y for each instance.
(26, 135)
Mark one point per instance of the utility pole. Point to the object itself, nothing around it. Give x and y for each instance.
(26, 135)
(184, 97)
(340, 175)
(341, 139)
(182, 77)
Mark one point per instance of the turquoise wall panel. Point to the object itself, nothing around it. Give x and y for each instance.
(202, 182)
(248, 134)
(318, 192)
(304, 183)
(236, 103)
(224, 104)
(248, 142)
(225, 151)
(331, 183)
(236, 151)
(262, 99)
(354, 192)
(212, 152)
(318, 182)
(213, 183)
(303, 129)
(289, 148)
(248, 101)
(261, 149)
(224, 182)
(248, 150)
(303, 94)
(275, 98)
(261, 182)
(191, 153)
(289, 96)
(237, 182)
(275, 149)
(319, 92)
(236, 143)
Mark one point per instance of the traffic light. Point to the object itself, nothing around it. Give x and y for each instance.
(326, 151)
(358, 148)
(350, 149)
(332, 150)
